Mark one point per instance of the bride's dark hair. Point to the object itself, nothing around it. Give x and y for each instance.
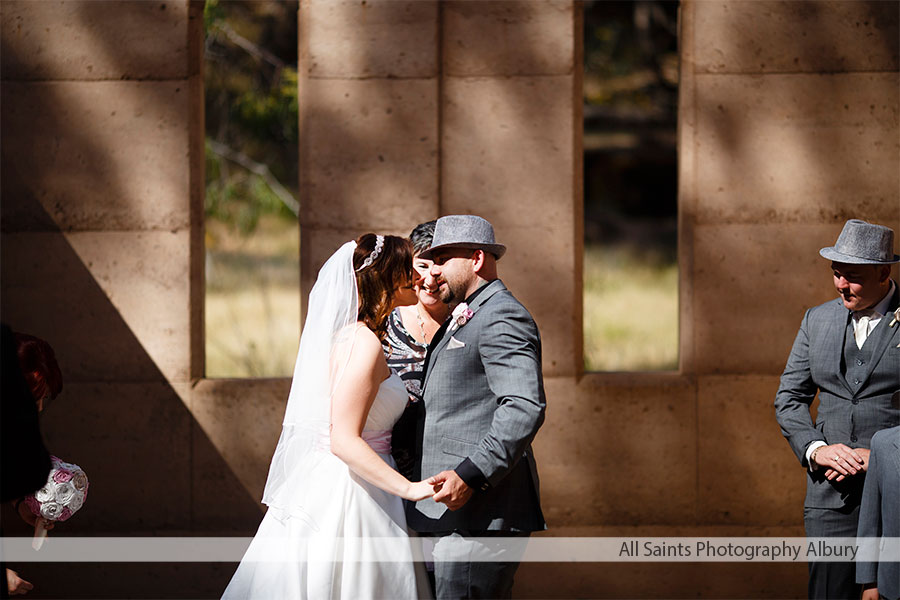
(378, 282)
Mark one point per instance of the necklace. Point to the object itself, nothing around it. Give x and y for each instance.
(421, 325)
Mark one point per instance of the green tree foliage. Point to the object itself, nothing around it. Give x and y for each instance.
(251, 111)
(631, 56)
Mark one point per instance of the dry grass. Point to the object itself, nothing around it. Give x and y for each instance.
(630, 311)
(253, 305)
(252, 300)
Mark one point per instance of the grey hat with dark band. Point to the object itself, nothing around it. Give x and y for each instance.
(862, 243)
(464, 231)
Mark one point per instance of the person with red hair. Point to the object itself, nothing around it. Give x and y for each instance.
(39, 367)
(30, 378)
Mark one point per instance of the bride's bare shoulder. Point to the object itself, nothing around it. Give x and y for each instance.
(358, 340)
(367, 338)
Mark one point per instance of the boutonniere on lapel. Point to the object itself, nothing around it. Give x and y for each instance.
(460, 316)
(895, 320)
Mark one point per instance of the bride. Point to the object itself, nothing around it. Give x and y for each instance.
(333, 492)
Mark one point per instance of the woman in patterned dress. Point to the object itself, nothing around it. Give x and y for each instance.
(410, 330)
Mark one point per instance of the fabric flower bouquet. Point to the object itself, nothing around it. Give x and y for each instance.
(60, 498)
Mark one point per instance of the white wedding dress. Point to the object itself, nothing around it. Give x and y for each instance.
(348, 525)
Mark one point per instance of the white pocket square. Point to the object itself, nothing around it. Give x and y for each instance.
(454, 343)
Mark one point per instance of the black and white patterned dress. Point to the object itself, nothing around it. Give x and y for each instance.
(405, 357)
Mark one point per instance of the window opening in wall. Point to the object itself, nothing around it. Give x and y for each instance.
(630, 191)
(252, 235)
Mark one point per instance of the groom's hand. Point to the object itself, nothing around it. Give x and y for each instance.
(454, 492)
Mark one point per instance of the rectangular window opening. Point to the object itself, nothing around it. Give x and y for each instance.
(252, 236)
(630, 186)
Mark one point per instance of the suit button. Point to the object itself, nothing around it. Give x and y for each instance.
(852, 438)
(856, 381)
(859, 362)
(855, 401)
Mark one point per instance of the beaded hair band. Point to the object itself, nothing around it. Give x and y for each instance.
(379, 244)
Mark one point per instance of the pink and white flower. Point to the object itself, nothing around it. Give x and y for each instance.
(51, 510)
(461, 314)
(62, 476)
(62, 495)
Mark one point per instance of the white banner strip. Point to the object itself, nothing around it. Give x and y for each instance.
(487, 549)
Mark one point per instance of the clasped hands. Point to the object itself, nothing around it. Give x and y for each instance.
(446, 487)
(841, 461)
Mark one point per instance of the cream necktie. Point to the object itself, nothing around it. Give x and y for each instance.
(861, 326)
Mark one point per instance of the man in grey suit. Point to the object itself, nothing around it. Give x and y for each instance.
(484, 402)
(879, 516)
(846, 350)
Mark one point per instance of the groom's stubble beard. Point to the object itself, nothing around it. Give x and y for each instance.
(448, 297)
(456, 289)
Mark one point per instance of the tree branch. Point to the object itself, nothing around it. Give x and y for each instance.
(257, 169)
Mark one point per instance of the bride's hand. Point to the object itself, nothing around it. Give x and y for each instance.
(420, 490)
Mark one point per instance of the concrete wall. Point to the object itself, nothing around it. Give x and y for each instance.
(788, 125)
(101, 136)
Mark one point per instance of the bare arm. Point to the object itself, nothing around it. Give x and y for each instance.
(350, 407)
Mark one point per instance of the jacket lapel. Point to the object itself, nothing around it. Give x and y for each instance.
(882, 335)
(492, 288)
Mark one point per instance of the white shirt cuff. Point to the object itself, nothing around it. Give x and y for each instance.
(809, 450)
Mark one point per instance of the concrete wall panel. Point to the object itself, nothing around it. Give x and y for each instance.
(150, 295)
(508, 38)
(110, 312)
(95, 155)
(380, 38)
(130, 440)
(239, 425)
(661, 579)
(89, 40)
(536, 254)
(791, 37)
(509, 142)
(606, 450)
(369, 155)
(752, 284)
(797, 148)
(243, 420)
(750, 475)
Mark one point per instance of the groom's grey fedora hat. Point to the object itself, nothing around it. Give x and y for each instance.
(464, 231)
(862, 243)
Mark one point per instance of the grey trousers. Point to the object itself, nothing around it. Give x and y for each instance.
(490, 576)
(832, 579)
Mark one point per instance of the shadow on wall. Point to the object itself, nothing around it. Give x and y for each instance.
(796, 136)
(85, 231)
(804, 143)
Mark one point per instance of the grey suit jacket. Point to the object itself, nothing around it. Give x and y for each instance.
(879, 515)
(845, 415)
(484, 400)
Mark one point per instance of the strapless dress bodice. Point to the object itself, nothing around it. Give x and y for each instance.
(389, 404)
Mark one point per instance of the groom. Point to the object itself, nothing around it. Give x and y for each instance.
(484, 402)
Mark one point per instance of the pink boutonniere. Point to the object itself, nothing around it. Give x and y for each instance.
(461, 315)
